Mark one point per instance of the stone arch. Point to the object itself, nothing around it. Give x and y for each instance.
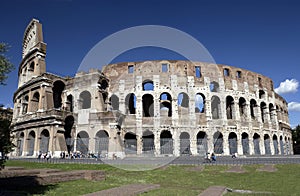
(70, 103)
(202, 143)
(165, 104)
(103, 83)
(271, 112)
(253, 111)
(183, 100)
(35, 102)
(214, 86)
(85, 100)
(114, 101)
(232, 141)
(69, 122)
(30, 143)
(130, 142)
(215, 107)
(130, 103)
(31, 66)
(242, 108)
(101, 143)
(185, 143)
(281, 145)
(148, 85)
(261, 94)
(20, 143)
(229, 107)
(275, 143)
(166, 142)
(25, 104)
(245, 143)
(83, 142)
(199, 103)
(218, 142)
(256, 143)
(58, 87)
(263, 110)
(267, 144)
(148, 142)
(44, 141)
(148, 105)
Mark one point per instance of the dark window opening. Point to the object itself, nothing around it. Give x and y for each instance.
(148, 86)
(229, 107)
(130, 103)
(164, 67)
(166, 104)
(57, 89)
(226, 72)
(130, 69)
(262, 94)
(148, 106)
(85, 100)
(238, 74)
(198, 71)
(114, 101)
(215, 107)
(214, 87)
(199, 103)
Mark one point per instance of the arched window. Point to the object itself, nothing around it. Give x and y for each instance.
(271, 112)
(215, 107)
(148, 85)
(70, 103)
(44, 142)
(199, 103)
(229, 107)
(31, 67)
(85, 100)
(165, 104)
(25, 105)
(214, 86)
(148, 106)
(35, 102)
(256, 141)
(263, 109)
(57, 89)
(130, 103)
(101, 143)
(166, 142)
(202, 143)
(185, 143)
(218, 142)
(114, 100)
(245, 143)
(262, 94)
(69, 122)
(242, 109)
(130, 143)
(30, 143)
(148, 142)
(183, 100)
(83, 142)
(232, 140)
(253, 106)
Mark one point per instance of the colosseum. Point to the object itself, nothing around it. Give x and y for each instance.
(150, 108)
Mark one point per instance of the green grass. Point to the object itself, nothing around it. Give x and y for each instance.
(175, 180)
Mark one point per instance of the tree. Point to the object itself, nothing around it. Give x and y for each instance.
(296, 139)
(6, 144)
(5, 65)
(5, 139)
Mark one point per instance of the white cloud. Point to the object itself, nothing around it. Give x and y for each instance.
(294, 106)
(288, 86)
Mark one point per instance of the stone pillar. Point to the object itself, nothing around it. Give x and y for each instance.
(272, 146)
(193, 144)
(157, 142)
(236, 112)
(116, 142)
(251, 145)
(139, 144)
(225, 143)
(239, 143)
(176, 142)
(262, 144)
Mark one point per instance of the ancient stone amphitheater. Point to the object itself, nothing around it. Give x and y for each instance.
(151, 108)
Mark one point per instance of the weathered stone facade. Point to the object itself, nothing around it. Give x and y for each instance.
(156, 108)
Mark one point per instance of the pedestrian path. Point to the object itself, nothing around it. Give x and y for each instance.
(214, 191)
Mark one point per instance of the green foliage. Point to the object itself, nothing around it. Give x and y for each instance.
(5, 65)
(6, 144)
(296, 134)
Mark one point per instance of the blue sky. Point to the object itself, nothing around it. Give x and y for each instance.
(261, 36)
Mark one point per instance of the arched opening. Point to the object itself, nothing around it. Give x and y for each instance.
(218, 142)
(114, 101)
(58, 87)
(183, 100)
(70, 103)
(242, 109)
(199, 103)
(130, 143)
(148, 106)
(44, 142)
(31, 67)
(267, 144)
(25, 105)
(232, 140)
(148, 85)
(185, 143)
(35, 102)
(263, 109)
(271, 112)
(281, 146)
(215, 107)
(101, 143)
(166, 142)
(165, 104)
(20, 144)
(229, 107)
(83, 142)
(30, 143)
(85, 100)
(130, 103)
(275, 143)
(102, 84)
(69, 122)
(202, 143)
(253, 105)
(148, 142)
(256, 139)
(226, 72)
(278, 113)
(245, 143)
(262, 94)
(214, 86)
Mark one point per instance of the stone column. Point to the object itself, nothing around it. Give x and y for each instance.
(193, 144)
(116, 141)
(225, 143)
(157, 142)
(139, 144)
(239, 143)
(251, 145)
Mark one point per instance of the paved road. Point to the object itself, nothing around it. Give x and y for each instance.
(182, 160)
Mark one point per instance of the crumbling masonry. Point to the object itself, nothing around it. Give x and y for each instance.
(153, 108)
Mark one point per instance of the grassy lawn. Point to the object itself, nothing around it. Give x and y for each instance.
(174, 180)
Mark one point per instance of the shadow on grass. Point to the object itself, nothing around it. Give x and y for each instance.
(23, 185)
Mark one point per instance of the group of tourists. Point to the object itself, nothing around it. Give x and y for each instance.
(46, 155)
(210, 157)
